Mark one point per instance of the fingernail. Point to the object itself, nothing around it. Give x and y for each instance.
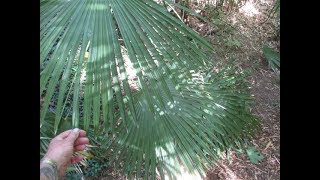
(75, 129)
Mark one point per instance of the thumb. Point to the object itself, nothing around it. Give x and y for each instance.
(74, 134)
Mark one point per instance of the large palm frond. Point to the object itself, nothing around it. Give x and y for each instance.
(171, 115)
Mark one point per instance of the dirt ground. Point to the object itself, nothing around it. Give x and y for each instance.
(265, 87)
(267, 105)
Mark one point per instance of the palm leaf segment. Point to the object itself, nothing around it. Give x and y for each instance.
(172, 117)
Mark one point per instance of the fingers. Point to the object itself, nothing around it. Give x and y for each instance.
(76, 159)
(79, 148)
(81, 140)
(65, 134)
(74, 134)
(82, 133)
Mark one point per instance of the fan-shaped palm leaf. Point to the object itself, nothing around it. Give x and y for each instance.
(272, 57)
(172, 117)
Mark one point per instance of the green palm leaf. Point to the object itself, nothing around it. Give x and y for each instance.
(170, 118)
(272, 57)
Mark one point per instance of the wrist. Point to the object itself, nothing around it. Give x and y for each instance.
(51, 157)
(49, 161)
(48, 168)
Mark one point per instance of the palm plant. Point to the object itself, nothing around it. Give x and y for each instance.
(178, 113)
(273, 57)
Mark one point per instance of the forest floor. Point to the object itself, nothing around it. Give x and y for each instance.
(254, 30)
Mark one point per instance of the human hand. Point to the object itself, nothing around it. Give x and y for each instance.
(62, 147)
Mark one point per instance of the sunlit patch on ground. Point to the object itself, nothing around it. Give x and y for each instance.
(249, 9)
(187, 176)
